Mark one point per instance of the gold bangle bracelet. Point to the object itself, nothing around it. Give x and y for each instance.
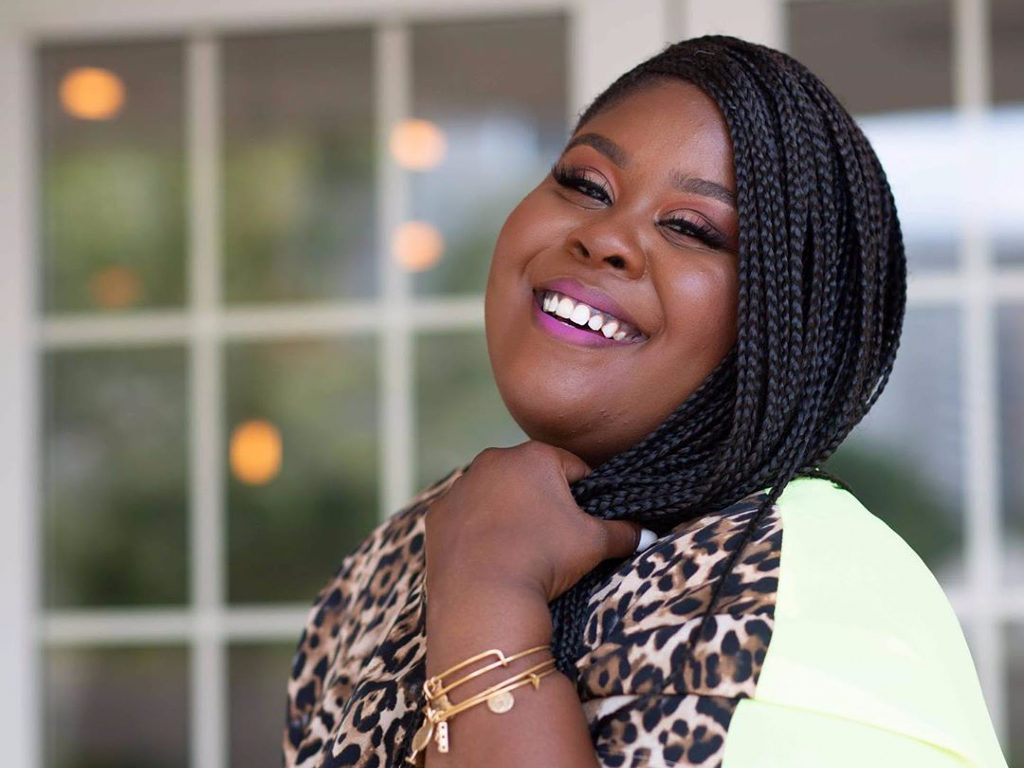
(502, 662)
(499, 700)
(433, 689)
(501, 704)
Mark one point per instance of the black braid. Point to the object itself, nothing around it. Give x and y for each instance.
(822, 295)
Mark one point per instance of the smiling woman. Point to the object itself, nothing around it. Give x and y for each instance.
(627, 220)
(686, 316)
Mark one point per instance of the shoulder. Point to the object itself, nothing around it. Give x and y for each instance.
(863, 630)
(693, 613)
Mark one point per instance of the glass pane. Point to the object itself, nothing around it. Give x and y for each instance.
(459, 411)
(1007, 28)
(1011, 433)
(257, 676)
(904, 459)
(112, 178)
(114, 477)
(299, 198)
(501, 134)
(303, 487)
(1004, 147)
(1013, 746)
(890, 63)
(116, 708)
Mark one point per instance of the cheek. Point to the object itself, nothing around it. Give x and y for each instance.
(702, 309)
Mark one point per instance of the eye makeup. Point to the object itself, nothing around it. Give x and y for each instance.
(575, 178)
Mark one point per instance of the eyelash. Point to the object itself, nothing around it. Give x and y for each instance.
(572, 177)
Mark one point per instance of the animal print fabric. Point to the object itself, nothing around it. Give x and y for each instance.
(673, 642)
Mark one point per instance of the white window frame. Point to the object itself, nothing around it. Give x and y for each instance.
(976, 287)
(207, 624)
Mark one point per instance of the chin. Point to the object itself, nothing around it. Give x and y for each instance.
(565, 423)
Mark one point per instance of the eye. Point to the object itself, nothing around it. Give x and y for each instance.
(572, 177)
(698, 229)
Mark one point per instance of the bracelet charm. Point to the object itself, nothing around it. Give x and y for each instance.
(500, 702)
(438, 708)
(442, 736)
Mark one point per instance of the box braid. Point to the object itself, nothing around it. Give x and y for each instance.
(822, 295)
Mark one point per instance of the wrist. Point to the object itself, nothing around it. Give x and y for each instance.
(464, 622)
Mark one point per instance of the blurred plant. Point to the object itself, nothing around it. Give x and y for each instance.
(112, 208)
(900, 494)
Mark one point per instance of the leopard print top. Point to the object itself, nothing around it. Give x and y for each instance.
(359, 666)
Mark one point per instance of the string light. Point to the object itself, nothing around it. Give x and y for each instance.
(92, 93)
(417, 245)
(417, 144)
(255, 452)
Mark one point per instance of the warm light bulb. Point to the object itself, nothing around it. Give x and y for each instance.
(115, 288)
(417, 245)
(92, 93)
(417, 144)
(255, 452)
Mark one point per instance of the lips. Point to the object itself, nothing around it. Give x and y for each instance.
(596, 298)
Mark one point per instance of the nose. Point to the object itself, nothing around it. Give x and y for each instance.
(610, 240)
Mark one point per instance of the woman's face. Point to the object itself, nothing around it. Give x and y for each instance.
(643, 225)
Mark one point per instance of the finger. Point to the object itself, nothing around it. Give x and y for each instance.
(573, 467)
(626, 537)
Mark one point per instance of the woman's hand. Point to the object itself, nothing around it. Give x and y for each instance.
(504, 540)
(510, 521)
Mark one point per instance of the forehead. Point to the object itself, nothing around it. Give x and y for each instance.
(669, 124)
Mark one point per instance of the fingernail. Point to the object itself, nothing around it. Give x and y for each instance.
(647, 537)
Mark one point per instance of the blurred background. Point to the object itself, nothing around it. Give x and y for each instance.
(244, 246)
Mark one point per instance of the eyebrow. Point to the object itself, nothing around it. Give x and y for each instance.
(680, 181)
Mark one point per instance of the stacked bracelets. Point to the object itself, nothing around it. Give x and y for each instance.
(498, 697)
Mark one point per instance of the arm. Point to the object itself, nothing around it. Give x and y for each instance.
(504, 541)
(546, 726)
(764, 735)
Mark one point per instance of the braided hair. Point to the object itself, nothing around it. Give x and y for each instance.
(822, 295)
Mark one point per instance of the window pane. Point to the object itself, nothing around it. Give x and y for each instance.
(1004, 147)
(890, 63)
(303, 487)
(114, 482)
(459, 410)
(116, 708)
(1007, 28)
(299, 197)
(257, 676)
(112, 175)
(502, 133)
(904, 459)
(1011, 432)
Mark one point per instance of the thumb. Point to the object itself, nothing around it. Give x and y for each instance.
(573, 467)
(626, 537)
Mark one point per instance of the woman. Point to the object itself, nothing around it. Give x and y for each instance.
(686, 317)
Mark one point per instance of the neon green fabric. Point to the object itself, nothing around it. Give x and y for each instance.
(867, 664)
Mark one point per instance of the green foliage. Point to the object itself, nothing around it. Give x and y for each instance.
(899, 493)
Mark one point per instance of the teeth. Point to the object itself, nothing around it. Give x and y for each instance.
(584, 315)
(580, 315)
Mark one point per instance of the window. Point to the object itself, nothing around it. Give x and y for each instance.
(242, 316)
(247, 360)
